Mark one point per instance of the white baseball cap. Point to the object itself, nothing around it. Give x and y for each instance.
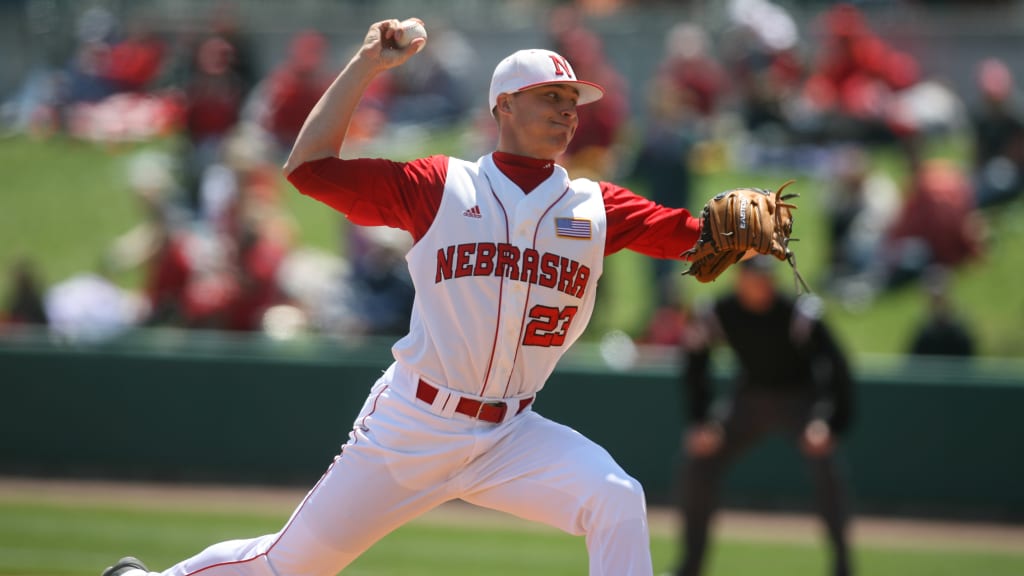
(527, 69)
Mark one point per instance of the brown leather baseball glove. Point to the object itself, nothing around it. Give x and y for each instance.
(740, 223)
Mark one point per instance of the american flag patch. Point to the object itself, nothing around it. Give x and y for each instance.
(572, 228)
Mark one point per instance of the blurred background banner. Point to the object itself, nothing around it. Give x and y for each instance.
(156, 262)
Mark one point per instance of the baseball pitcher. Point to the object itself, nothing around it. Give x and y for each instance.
(507, 254)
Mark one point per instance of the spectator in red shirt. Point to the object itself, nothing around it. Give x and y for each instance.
(692, 68)
(166, 282)
(294, 87)
(855, 78)
(135, 61)
(213, 94)
(259, 255)
(214, 98)
(938, 223)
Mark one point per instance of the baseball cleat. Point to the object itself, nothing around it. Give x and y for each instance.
(124, 565)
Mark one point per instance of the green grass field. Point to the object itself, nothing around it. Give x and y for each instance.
(78, 536)
(63, 202)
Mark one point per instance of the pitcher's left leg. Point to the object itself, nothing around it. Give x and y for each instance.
(546, 472)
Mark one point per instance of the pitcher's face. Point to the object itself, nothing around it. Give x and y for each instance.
(538, 122)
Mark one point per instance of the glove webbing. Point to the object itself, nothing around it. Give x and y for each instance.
(798, 280)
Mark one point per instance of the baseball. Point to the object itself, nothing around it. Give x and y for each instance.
(411, 30)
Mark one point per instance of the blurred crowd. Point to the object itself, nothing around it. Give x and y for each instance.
(218, 249)
(765, 95)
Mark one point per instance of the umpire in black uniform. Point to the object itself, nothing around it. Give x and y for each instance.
(792, 379)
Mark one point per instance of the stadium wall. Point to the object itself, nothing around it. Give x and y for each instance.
(930, 439)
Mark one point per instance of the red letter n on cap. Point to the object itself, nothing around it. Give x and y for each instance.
(562, 67)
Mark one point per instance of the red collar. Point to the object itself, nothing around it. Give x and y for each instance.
(526, 172)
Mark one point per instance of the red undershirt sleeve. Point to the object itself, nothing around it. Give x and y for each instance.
(636, 223)
(377, 192)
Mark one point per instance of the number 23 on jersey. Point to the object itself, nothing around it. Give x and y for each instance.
(548, 325)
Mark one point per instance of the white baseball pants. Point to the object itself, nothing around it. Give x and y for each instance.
(402, 460)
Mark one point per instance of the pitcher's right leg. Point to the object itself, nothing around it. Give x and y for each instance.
(393, 469)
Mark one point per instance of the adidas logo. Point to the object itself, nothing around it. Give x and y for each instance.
(473, 212)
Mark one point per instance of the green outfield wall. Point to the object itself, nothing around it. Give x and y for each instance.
(930, 439)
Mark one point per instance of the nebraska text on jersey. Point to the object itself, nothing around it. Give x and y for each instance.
(507, 260)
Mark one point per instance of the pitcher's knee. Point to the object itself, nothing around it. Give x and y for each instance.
(616, 499)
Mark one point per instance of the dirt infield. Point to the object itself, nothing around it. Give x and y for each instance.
(870, 531)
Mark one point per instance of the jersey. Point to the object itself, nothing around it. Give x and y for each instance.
(505, 278)
(505, 282)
